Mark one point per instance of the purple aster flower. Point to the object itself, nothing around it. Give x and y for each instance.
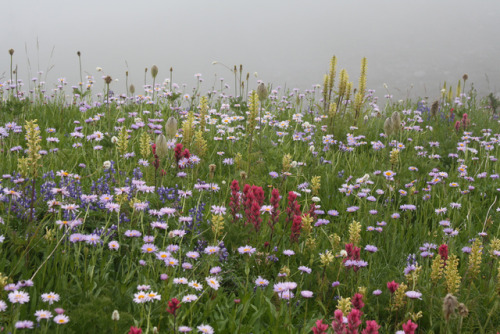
(322, 222)
(273, 175)
(334, 213)
(352, 209)
(426, 254)
(305, 269)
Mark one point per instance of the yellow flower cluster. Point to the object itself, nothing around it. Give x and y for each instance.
(344, 304)
(451, 275)
(355, 232)
(475, 258)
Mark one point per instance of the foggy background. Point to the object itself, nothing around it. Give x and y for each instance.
(407, 43)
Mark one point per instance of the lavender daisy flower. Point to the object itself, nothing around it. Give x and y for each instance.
(306, 294)
(352, 209)
(413, 295)
(334, 213)
(246, 250)
(273, 175)
(305, 269)
(288, 252)
(24, 324)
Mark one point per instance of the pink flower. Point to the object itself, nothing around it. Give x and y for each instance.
(409, 327)
(135, 330)
(392, 286)
(320, 327)
(371, 327)
(338, 323)
(354, 321)
(357, 301)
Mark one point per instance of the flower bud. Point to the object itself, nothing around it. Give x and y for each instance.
(115, 316)
(11, 51)
(106, 164)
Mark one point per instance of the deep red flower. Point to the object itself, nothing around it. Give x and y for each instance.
(357, 301)
(186, 154)
(178, 152)
(443, 251)
(392, 286)
(173, 305)
(296, 227)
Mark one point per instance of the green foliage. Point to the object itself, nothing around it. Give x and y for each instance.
(343, 153)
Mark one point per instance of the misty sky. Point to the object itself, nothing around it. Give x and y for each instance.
(420, 43)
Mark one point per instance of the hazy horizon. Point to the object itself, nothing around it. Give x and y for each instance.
(287, 43)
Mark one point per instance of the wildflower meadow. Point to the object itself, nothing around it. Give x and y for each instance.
(222, 208)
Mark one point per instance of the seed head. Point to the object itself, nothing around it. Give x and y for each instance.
(161, 146)
(154, 71)
(11, 51)
(450, 303)
(396, 121)
(463, 311)
(388, 126)
(115, 316)
(78, 53)
(171, 127)
(434, 109)
(262, 92)
(132, 89)
(108, 80)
